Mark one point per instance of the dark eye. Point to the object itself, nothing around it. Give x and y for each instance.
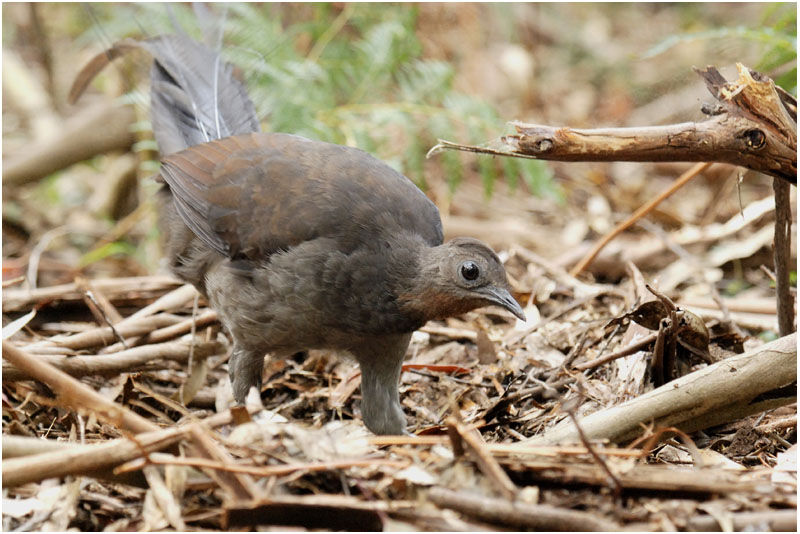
(469, 270)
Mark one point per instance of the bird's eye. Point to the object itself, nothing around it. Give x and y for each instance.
(470, 271)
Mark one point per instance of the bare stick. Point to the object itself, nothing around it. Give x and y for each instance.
(169, 332)
(101, 336)
(133, 359)
(773, 520)
(627, 351)
(262, 471)
(782, 252)
(752, 126)
(517, 514)
(617, 486)
(682, 180)
(780, 424)
(116, 289)
(238, 486)
(75, 394)
(652, 478)
(93, 131)
(483, 457)
(89, 460)
(50, 458)
(174, 299)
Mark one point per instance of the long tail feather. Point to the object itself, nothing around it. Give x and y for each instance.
(194, 94)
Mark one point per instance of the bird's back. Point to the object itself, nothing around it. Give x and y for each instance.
(249, 196)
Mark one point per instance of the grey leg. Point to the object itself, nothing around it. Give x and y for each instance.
(380, 364)
(245, 368)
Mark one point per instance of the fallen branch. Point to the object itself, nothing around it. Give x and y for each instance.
(94, 131)
(75, 395)
(105, 335)
(326, 512)
(752, 126)
(782, 253)
(519, 515)
(733, 388)
(97, 461)
(258, 470)
(237, 486)
(635, 478)
(135, 359)
(682, 180)
(115, 289)
(482, 456)
(773, 520)
(621, 353)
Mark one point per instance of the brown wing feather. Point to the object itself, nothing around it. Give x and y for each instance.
(250, 195)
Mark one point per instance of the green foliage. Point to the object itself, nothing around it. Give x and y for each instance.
(116, 248)
(782, 19)
(351, 76)
(776, 35)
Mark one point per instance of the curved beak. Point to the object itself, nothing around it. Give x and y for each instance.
(501, 297)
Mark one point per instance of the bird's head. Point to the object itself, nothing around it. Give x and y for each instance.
(459, 276)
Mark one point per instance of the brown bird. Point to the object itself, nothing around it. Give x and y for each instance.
(299, 244)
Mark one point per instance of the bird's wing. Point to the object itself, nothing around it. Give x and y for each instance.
(248, 196)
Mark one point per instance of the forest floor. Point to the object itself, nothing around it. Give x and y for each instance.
(553, 423)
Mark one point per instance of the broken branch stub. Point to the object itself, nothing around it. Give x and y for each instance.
(753, 125)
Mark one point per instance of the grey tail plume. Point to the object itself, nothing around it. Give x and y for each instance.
(195, 96)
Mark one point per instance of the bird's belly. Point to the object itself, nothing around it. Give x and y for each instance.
(303, 299)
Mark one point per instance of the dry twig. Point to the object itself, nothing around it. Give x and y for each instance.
(517, 514)
(129, 360)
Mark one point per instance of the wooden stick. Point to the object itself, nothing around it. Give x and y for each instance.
(324, 512)
(118, 362)
(774, 520)
(658, 478)
(782, 253)
(780, 424)
(238, 486)
(184, 327)
(88, 460)
(103, 335)
(93, 131)
(621, 353)
(483, 457)
(74, 394)
(115, 289)
(728, 390)
(752, 126)
(175, 299)
(682, 180)
(519, 515)
(42, 458)
(261, 471)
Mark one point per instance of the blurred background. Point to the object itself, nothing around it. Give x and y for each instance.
(390, 79)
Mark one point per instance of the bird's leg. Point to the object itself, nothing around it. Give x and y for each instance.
(245, 368)
(380, 373)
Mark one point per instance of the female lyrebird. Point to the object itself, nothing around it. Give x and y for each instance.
(299, 244)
